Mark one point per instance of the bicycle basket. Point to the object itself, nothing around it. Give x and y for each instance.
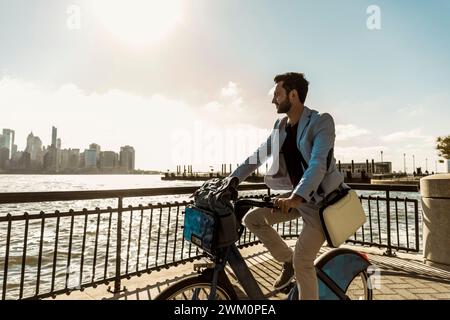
(200, 228)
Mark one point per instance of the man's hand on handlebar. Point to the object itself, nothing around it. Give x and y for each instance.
(286, 204)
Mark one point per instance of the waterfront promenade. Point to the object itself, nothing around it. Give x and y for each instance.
(403, 277)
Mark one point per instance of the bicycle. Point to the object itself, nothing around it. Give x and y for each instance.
(338, 270)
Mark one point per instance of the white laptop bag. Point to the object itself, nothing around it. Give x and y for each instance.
(343, 218)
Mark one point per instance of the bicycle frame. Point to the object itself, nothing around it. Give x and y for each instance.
(335, 270)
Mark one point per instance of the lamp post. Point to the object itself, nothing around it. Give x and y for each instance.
(426, 164)
(382, 168)
(404, 163)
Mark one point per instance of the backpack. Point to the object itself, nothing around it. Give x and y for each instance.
(216, 195)
(211, 223)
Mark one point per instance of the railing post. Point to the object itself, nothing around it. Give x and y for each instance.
(118, 247)
(416, 224)
(388, 251)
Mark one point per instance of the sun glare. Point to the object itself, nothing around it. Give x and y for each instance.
(138, 22)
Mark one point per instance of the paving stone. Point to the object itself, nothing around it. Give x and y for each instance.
(422, 290)
(445, 296)
(406, 294)
(386, 280)
(417, 283)
(387, 297)
(439, 287)
(425, 296)
(385, 289)
(401, 286)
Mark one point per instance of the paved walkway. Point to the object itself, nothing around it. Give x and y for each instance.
(403, 277)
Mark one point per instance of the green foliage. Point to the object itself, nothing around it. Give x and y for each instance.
(443, 146)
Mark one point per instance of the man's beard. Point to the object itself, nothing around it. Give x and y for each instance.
(284, 107)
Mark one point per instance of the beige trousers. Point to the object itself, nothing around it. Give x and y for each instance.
(260, 221)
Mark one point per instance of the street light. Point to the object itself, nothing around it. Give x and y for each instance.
(382, 168)
(404, 163)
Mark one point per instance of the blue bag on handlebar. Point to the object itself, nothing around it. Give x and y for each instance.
(200, 228)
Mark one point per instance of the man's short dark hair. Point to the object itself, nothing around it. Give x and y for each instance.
(294, 80)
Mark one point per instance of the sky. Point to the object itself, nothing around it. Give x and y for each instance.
(188, 82)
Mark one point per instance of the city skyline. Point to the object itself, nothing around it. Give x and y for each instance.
(55, 141)
(36, 157)
(197, 90)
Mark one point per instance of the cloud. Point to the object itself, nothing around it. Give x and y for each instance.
(411, 111)
(348, 131)
(213, 106)
(401, 136)
(360, 154)
(229, 100)
(230, 90)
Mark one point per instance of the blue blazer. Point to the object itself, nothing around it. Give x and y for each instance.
(315, 140)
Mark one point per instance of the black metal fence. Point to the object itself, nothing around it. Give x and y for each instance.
(46, 254)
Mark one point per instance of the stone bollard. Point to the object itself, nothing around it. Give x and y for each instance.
(435, 191)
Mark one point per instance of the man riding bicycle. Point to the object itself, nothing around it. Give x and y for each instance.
(303, 162)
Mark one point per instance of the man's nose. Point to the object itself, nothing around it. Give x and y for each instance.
(274, 100)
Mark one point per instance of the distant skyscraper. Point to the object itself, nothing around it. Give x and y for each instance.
(90, 158)
(64, 159)
(54, 136)
(127, 156)
(108, 160)
(3, 143)
(51, 159)
(74, 158)
(97, 148)
(58, 144)
(34, 148)
(69, 159)
(4, 154)
(14, 150)
(7, 141)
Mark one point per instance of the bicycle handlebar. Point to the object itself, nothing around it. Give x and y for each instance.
(266, 203)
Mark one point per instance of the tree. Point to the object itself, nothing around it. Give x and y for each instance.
(443, 146)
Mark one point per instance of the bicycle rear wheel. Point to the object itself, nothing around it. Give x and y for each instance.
(360, 288)
(197, 288)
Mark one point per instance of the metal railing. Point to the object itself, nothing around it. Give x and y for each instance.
(45, 254)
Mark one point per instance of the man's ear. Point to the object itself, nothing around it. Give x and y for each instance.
(293, 94)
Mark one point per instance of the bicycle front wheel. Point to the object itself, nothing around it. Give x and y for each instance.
(196, 288)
